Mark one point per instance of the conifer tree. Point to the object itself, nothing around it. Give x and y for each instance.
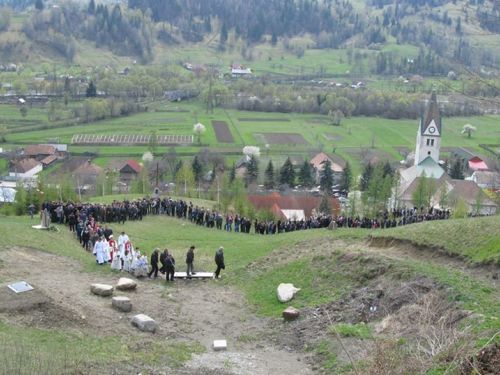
(346, 181)
(197, 169)
(326, 177)
(91, 90)
(39, 5)
(287, 173)
(306, 174)
(252, 170)
(269, 174)
(223, 34)
(91, 7)
(366, 177)
(457, 171)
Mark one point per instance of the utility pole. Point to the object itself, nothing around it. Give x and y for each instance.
(157, 174)
(218, 191)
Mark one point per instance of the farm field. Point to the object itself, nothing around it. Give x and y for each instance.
(302, 135)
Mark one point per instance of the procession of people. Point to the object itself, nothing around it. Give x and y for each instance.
(86, 221)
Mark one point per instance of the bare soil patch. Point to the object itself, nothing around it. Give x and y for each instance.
(486, 362)
(222, 132)
(263, 119)
(186, 311)
(282, 138)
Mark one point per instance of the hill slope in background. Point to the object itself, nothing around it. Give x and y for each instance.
(426, 37)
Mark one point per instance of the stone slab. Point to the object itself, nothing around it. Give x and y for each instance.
(219, 345)
(125, 283)
(144, 323)
(103, 290)
(20, 287)
(121, 303)
(198, 275)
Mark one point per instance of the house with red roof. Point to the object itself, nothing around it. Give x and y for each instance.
(477, 164)
(293, 207)
(129, 170)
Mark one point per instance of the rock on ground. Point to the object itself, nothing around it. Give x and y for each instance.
(290, 313)
(122, 303)
(125, 283)
(286, 292)
(144, 323)
(103, 290)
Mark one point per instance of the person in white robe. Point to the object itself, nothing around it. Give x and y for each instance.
(122, 240)
(106, 251)
(134, 265)
(127, 256)
(116, 262)
(99, 251)
(142, 267)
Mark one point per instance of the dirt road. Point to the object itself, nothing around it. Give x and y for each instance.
(188, 311)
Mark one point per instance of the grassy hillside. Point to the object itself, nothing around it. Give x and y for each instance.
(328, 266)
(477, 240)
(327, 271)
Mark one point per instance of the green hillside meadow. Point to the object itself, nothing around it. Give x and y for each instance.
(255, 264)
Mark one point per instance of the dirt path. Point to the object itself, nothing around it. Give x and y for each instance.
(193, 310)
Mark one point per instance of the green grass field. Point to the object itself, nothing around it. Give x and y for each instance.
(352, 140)
(477, 240)
(257, 264)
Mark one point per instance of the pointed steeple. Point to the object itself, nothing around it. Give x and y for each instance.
(432, 116)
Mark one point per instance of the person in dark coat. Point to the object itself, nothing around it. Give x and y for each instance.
(169, 266)
(189, 262)
(219, 261)
(163, 257)
(154, 263)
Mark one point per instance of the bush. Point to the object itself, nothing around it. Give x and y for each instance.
(7, 210)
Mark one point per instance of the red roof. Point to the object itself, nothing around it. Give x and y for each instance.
(136, 167)
(276, 202)
(477, 164)
(49, 160)
(35, 150)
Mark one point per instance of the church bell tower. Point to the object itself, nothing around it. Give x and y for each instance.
(429, 133)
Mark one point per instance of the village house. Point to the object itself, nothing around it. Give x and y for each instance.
(291, 207)
(86, 175)
(240, 71)
(486, 180)
(39, 152)
(318, 162)
(25, 169)
(129, 171)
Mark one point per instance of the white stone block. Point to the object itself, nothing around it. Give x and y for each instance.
(220, 345)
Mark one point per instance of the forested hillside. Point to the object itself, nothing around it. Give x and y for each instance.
(426, 37)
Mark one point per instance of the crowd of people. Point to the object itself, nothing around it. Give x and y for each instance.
(89, 222)
(120, 254)
(75, 214)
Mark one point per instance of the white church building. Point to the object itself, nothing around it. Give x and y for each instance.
(445, 190)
